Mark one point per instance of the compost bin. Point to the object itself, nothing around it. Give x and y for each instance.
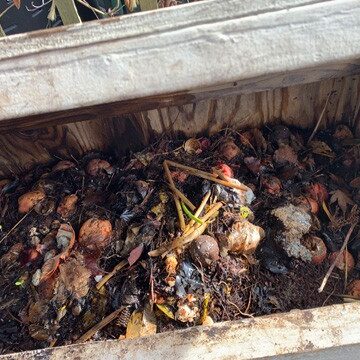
(166, 105)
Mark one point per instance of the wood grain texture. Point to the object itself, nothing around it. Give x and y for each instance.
(309, 334)
(298, 105)
(201, 49)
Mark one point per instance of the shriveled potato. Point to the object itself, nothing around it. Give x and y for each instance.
(95, 234)
(29, 200)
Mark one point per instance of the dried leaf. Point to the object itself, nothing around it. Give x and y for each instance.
(253, 164)
(12, 255)
(63, 165)
(341, 198)
(260, 141)
(75, 277)
(285, 155)
(355, 183)
(95, 234)
(67, 207)
(99, 166)
(339, 180)
(49, 267)
(321, 148)
(17, 3)
(135, 254)
(159, 209)
(65, 239)
(29, 200)
(37, 312)
(166, 310)
(141, 324)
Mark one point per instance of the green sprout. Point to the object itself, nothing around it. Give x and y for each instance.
(190, 215)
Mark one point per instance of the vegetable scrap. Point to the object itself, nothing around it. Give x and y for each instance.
(183, 233)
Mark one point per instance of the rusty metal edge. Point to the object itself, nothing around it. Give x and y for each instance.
(314, 332)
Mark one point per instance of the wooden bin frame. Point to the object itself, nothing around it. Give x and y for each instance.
(177, 56)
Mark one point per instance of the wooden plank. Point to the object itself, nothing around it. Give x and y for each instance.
(195, 51)
(307, 334)
(146, 5)
(298, 105)
(68, 11)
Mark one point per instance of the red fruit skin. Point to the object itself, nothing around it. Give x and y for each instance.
(29, 256)
(318, 192)
(319, 255)
(310, 203)
(317, 248)
(225, 169)
(340, 263)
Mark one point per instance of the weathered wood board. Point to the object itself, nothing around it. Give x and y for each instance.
(174, 56)
(305, 334)
(298, 105)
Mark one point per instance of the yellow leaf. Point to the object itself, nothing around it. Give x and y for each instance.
(244, 212)
(158, 210)
(165, 309)
(321, 148)
(134, 325)
(164, 197)
(141, 324)
(205, 308)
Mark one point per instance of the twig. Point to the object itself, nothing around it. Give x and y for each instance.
(179, 194)
(327, 211)
(193, 233)
(15, 226)
(6, 10)
(249, 303)
(94, 9)
(108, 276)
(90, 333)
(176, 199)
(240, 312)
(198, 211)
(332, 266)
(319, 120)
(212, 211)
(220, 174)
(207, 176)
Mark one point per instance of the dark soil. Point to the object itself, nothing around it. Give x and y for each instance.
(142, 214)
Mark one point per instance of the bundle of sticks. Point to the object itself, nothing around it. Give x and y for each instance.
(197, 225)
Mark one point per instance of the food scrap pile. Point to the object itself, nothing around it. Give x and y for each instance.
(184, 233)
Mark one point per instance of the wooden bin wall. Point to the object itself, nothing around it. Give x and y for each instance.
(298, 105)
(118, 84)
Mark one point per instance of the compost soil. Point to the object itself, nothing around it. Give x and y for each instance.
(66, 225)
